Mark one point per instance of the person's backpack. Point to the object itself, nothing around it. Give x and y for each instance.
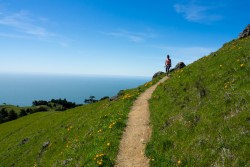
(169, 62)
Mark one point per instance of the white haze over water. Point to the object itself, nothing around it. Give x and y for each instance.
(23, 89)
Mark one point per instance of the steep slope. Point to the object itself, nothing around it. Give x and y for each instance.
(84, 136)
(201, 115)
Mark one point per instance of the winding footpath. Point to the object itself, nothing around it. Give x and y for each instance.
(137, 132)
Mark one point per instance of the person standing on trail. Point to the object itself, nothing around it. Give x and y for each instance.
(167, 64)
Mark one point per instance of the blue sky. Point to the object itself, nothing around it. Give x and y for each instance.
(113, 37)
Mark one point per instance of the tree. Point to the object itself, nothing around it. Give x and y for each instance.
(39, 103)
(34, 103)
(22, 113)
(66, 104)
(28, 110)
(90, 100)
(12, 115)
(3, 115)
(4, 112)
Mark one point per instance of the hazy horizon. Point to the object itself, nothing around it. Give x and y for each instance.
(23, 89)
(72, 74)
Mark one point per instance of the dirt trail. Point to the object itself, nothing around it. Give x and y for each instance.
(137, 132)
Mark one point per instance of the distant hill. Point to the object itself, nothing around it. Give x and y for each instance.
(201, 116)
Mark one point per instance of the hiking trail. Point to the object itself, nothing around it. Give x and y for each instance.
(137, 133)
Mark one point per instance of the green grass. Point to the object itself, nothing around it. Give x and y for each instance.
(201, 115)
(84, 136)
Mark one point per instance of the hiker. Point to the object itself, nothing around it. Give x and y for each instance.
(168, 64)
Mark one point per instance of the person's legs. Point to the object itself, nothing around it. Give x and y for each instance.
(167, 69)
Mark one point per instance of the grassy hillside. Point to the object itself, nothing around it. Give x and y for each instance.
(201, 116)
(84, 136)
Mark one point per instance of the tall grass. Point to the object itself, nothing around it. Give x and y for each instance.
(201, 115)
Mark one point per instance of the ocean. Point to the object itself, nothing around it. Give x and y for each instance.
(23, 89)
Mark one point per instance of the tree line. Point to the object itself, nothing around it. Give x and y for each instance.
(6, 116)
(41, 106)
(54, 103)
(10, 115)
(38, 106)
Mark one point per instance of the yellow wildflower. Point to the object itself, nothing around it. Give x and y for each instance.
(242, 65)
(220, 65)
(179, 162)
(99, 155)
(111, 125)
(108, 144)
